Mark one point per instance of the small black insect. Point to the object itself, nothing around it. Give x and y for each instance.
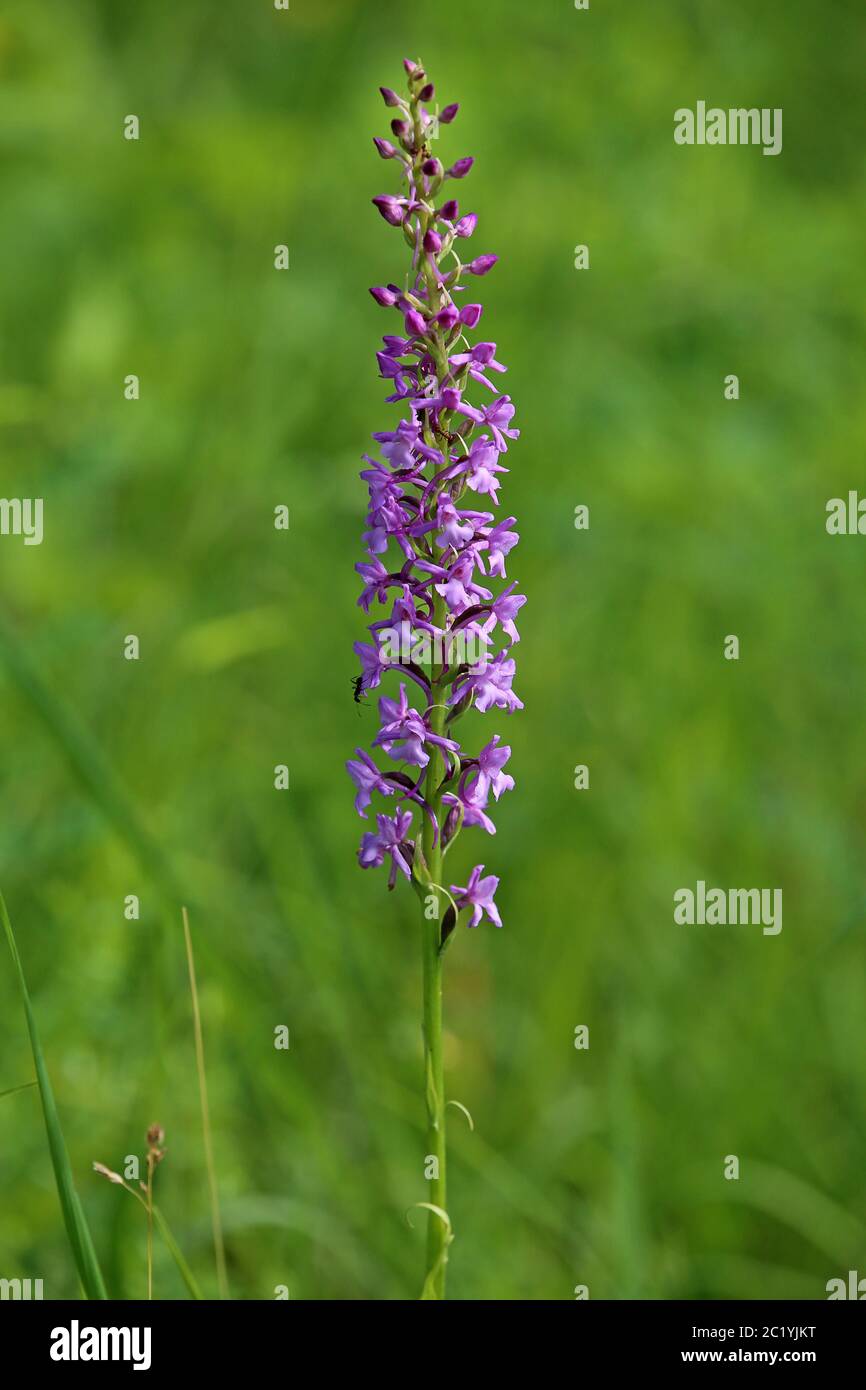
(356, 683)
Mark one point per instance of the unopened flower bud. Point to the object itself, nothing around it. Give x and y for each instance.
(415, 322)
(388, 366)
(449, 210)
(447, 116)
(432, 168)
(466, 226)
(390, 209)
(482, 264)
(427, 92)
(383, 296)
(385, 148)
(391, 98)
(432, 241)
(470, 314)
(461, 168)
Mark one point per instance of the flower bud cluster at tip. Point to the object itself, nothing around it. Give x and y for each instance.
(433, 540)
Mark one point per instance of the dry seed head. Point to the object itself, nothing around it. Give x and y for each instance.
(107, 1173)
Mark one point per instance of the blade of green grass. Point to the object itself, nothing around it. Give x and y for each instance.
(25, 1086)
(176, 1253)
(216, 1220)
(77, 1229)
(171, 1244)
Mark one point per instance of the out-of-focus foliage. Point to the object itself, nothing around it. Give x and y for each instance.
(605, 1166)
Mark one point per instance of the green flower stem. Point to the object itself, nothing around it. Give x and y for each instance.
(438, 1224)
(438, 1234)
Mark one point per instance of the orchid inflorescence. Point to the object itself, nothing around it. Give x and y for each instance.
(443, 450)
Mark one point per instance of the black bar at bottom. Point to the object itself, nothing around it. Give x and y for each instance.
(68, 1338)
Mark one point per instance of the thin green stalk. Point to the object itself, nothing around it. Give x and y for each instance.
(171, 1244)
(149, 1205)
(438, 1222)
(438, 1232)
(13, 1090)
(176, 1253)
(219, 1247)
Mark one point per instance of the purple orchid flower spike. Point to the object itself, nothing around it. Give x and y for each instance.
(434, 563)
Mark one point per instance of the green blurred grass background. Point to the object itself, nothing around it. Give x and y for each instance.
(601, 1167)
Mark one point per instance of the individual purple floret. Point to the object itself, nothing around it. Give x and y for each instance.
(434, 561)
(478, 894)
